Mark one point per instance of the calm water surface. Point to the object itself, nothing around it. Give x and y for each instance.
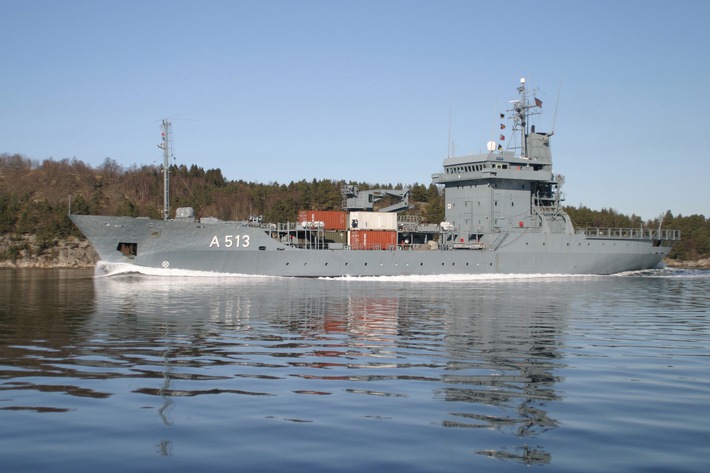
(150, 373)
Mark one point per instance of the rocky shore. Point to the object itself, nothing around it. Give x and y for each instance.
(703, 263)
(25, 252)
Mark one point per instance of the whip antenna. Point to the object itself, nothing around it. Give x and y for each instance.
(557, 104)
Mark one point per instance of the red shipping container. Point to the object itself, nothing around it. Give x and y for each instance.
(332, 219)
(373, 240)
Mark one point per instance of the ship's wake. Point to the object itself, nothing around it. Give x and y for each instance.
(462, 278)
(108, 269)
(449, 278)
(665, 273)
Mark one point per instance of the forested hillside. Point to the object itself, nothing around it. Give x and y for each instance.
(35, 199)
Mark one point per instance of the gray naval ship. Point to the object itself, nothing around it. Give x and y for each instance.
(503, 214)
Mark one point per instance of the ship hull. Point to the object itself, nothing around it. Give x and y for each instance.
(236, 248)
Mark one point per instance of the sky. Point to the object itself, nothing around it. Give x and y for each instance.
(367, 91)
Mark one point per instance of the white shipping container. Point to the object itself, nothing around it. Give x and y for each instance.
(373, 221)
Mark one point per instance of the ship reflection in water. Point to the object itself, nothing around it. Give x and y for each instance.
(478, 355)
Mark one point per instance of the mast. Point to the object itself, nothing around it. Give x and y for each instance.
(165, 146)
(521, 110)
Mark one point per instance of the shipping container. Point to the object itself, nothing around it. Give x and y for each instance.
(373, 221)
(331, 219)
(372, 239)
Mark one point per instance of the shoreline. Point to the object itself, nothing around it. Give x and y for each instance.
(24, 252)
(702, 263)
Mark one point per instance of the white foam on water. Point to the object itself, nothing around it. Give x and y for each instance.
(463, 278)
(666, 273)
(107, 269)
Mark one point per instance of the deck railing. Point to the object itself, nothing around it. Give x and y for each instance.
(631, 233)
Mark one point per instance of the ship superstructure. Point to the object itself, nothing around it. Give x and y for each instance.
(491, 196)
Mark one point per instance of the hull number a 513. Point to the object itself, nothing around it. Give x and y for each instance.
(229, 241)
